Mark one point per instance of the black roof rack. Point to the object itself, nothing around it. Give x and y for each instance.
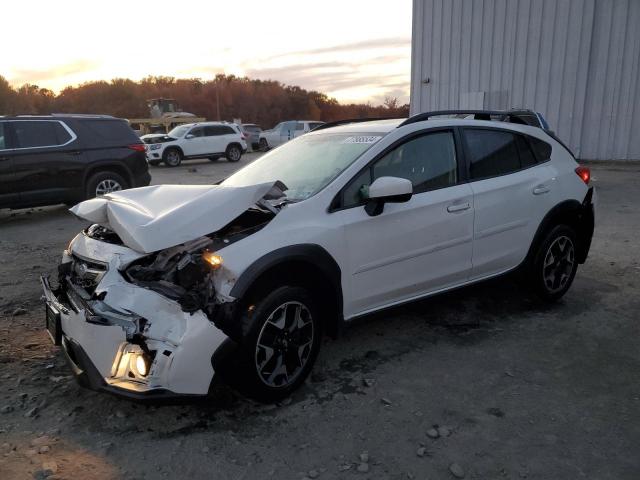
(347, 121)
(511, 116)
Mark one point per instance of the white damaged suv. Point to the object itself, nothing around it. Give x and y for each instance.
(346, 220)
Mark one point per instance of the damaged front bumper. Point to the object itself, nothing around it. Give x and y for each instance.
(127, 340)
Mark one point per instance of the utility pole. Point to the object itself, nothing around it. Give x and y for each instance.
(217, 99)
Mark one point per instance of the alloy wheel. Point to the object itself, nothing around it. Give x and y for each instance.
(107, 186)
(284, 344)
(558, 264)
(234, 154)
(173, 158)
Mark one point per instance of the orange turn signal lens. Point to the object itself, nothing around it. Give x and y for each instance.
(213, 259)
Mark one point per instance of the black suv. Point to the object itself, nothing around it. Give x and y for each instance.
(67, 158)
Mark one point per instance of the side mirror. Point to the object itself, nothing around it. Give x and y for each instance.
(189, 136)
(387, 189)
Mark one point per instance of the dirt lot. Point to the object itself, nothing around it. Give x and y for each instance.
(514, 388)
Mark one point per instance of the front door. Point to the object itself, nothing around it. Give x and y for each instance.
(195, 142)
(412, 248)
(48, 162)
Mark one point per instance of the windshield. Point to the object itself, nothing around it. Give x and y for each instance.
(179, 131)
(307, 164)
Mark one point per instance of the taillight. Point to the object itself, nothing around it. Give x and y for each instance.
(584, 173)
(138, 147)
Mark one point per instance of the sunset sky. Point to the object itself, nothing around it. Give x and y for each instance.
(354, 50)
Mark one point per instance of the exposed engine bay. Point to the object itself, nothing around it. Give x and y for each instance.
(184, 273)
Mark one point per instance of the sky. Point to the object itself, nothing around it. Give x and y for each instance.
(353, 50)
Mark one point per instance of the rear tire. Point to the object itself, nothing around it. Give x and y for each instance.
(554, 263)
(104, 182)
(172, 157)
(233, 153)
(263, 145)
(281, 339)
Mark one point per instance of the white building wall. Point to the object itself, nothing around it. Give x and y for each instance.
(576, 61)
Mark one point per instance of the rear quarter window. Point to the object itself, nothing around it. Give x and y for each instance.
(541, 149)
(108, 132)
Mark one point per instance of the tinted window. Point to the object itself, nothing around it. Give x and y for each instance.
(492, 152)
(63, 135)
(429, 161)
(541, 149)
(314, 125)
(211, 131)
(227, 130)
(31, 134)
(116, 132)
(197, 132)
(527, 158)
(3, 143)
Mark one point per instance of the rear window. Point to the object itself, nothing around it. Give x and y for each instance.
(251, 128)
(40, 133)
(111, 132)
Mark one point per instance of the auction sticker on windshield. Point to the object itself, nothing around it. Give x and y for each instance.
(362, 139)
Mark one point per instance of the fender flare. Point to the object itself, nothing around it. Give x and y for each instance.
(307, 252)
(582, 219)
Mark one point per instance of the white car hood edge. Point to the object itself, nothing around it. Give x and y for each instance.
(149, 219)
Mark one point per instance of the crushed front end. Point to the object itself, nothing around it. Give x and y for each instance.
(135, 324)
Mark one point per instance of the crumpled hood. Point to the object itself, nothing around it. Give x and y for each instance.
(153, 218)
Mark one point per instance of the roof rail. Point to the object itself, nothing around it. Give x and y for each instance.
(80, 115)
(510, 116)
(347, 121)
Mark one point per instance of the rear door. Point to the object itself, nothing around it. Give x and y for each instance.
(511, 197)
(229, 135)
(214, 137)
(47, 161)
(8, 192)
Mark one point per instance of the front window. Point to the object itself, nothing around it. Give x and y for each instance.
(307, 164)
(179, 132)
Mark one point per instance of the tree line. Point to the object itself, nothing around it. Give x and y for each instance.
(265, 102)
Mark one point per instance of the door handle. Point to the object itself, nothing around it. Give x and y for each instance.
(540, 189)
(76, 152)
(4, 159)
(458, 207)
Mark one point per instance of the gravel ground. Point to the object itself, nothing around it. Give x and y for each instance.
(486, 382)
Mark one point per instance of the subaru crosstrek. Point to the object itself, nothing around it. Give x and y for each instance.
(341, 222)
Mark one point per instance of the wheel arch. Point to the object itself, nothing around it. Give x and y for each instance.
(307, 265)
(118, 168)
(578, 216)
(175, 147)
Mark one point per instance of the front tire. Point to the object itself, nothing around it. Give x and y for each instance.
(554, 264)
(233, 153)
(264, 146)
(282, 334)
(103, 183)
(172, 157)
